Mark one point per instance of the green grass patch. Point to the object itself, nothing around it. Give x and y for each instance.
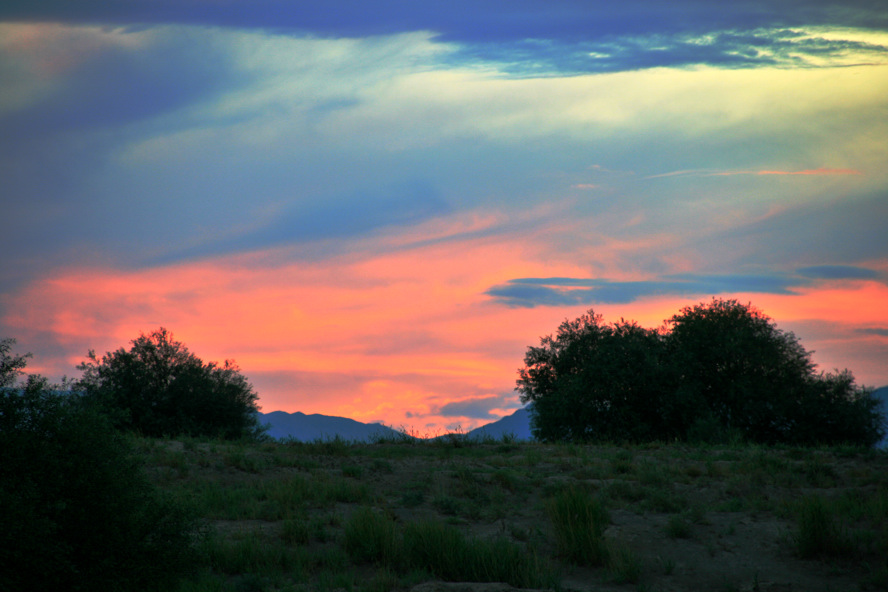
(579, 520)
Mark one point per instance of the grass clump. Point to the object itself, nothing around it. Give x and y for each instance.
(819, 534)
(622, 563)
(579, 520)
(443, 551)
(677, 528)
(371, 537)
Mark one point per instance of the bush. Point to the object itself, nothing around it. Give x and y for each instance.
(77, 512)
(715, 372)
(159, 388)
(596, 381)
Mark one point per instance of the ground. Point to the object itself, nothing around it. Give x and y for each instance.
(283, 516)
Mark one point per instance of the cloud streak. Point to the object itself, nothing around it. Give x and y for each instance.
(530, 292)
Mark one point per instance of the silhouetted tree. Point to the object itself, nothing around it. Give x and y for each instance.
(76, 510)
(594, 380)
(737, 368)
(717, 371)
(159, 388)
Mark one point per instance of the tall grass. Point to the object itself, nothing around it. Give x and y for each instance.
(819, 534)
(579, 520)
(439, 549)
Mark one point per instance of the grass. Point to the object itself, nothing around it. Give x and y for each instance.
(579, 520)
(335, 515)
(820, 532)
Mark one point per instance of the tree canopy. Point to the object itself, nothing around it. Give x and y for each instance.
(714, 371)
(159, 388)
(76, 510)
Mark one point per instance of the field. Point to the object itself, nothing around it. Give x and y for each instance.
(423, 516)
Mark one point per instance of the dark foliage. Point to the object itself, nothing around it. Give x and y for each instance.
(159, 388)
(76, 510)
(596, 381)
(716, 371)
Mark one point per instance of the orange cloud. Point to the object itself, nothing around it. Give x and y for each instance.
(392, 335)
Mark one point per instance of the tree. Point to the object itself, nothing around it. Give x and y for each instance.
(11, 365)
(595, 381)
(738, 369)
(76, 510)
(716, 371)
(159, 388)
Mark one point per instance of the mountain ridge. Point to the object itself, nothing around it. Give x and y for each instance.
(309, 427)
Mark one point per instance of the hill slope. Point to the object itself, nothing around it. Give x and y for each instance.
(308, 428)
(517, 425)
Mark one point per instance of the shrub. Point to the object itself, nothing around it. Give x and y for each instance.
(77, 511)
(159, 388)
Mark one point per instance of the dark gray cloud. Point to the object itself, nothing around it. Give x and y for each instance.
(530, 292)
(612, 53)
(472, 20)
(880, 331)
(527, 37)
(838, 272)
(476, 408)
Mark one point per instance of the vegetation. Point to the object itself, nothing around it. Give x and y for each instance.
(291, 516)
(85, 506)
(159, 388)
(77, 511)
(714, 372)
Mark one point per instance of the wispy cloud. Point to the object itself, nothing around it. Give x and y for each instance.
(817, 171)
(820, 171)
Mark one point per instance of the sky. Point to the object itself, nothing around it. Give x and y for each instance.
(375, 208)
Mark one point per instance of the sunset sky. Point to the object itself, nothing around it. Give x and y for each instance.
(374, 208)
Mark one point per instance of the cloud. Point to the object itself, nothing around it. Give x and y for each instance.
(704, 173)
(477, 408)
(839, 272)
(535, 37)
(342, 217)
(879, 331)
(530, 292)
(818, 171)
(839, 230)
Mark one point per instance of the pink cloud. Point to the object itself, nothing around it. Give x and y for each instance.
(817, 171)
(821, 171)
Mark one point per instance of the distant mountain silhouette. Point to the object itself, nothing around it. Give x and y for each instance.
(308, 428)
(517, 425)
